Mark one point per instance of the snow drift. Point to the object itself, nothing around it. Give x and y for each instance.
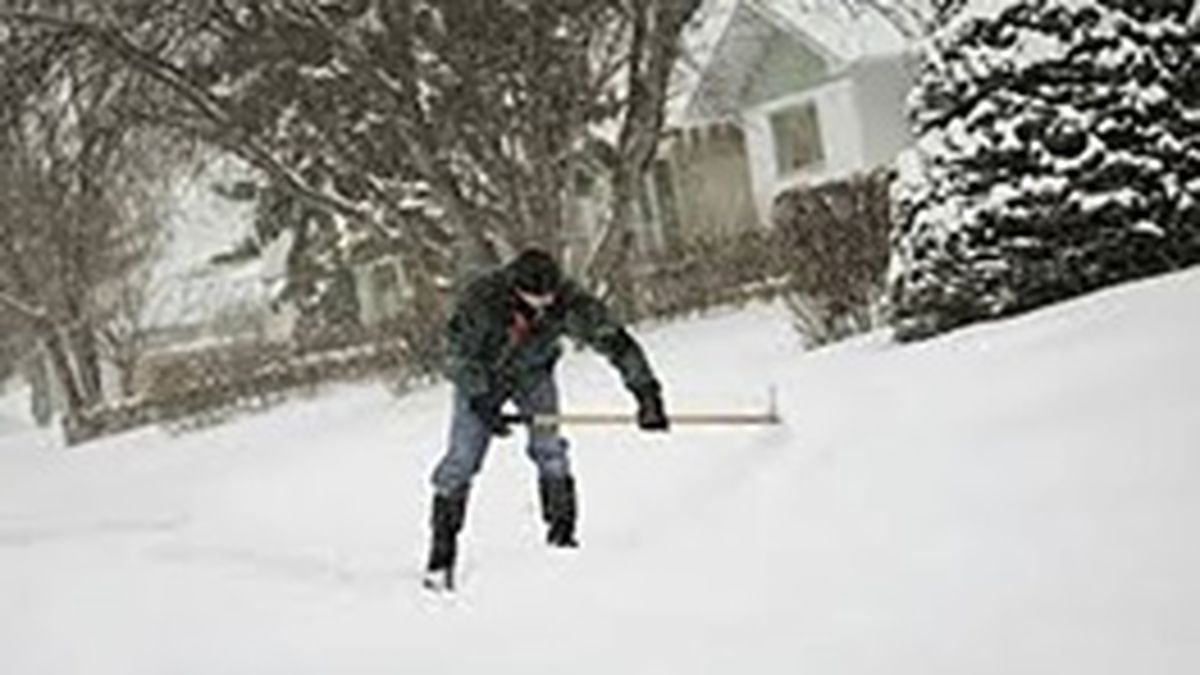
(1016, 497)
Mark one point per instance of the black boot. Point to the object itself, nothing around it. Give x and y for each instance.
(559, 510)
(449, 511)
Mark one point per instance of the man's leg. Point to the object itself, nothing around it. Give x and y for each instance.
(467, 446)
(548, 449)
(465, 449)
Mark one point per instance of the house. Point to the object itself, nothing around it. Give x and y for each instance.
(774, 94)
(192, 300)
(218, 284)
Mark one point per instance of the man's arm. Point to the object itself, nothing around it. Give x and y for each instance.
(465, 361)
(589, 321)
(467, 365)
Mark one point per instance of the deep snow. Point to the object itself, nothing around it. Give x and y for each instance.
(1012, 498)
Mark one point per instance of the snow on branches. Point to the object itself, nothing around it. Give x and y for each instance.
(1058, 151)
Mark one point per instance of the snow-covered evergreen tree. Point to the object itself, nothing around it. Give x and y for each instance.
(1058, 151)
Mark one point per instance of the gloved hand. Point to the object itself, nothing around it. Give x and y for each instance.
(650, 415)
(487, 407)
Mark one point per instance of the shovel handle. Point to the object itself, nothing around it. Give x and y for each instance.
(600, 418)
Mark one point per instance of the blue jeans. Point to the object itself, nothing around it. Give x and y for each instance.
(470, 438)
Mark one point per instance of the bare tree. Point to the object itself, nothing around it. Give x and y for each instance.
(485, 108)
(654, 48)
(65, 153)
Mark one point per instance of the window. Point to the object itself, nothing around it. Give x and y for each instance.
(384, 302)
(797, 135)
(384, 282)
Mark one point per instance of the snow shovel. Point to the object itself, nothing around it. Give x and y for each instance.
(770, 417)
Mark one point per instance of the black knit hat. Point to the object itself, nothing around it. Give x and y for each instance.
(535, 272)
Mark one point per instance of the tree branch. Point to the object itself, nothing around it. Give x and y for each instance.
(208, 105)
(36, 314)
(411, 124)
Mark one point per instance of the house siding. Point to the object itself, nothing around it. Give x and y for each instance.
(881, 87)
(788, 67)
(787, 62)
(841, 139)
(767, 65)
(711, 181)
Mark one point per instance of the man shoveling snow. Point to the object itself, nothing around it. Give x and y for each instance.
(503, 344)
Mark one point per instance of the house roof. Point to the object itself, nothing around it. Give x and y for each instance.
(732, 37)
(852, 31)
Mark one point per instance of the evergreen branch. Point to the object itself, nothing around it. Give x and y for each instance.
(412, 125)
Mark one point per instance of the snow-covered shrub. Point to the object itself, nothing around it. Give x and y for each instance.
(1058, 152)
(835, 239)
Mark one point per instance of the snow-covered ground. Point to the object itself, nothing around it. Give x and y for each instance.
(14, 408)
(1012, 498)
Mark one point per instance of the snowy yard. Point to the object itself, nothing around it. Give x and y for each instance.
(1012, 498)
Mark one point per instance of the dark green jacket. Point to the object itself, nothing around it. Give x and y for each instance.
(482, 352)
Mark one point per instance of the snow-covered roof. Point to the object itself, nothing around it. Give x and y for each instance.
(852, 32)
(842, 35)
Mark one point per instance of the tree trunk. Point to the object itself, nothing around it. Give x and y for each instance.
(618, 273)
(60, 359)
(85, 353)
(654, 50)
(41, 403)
